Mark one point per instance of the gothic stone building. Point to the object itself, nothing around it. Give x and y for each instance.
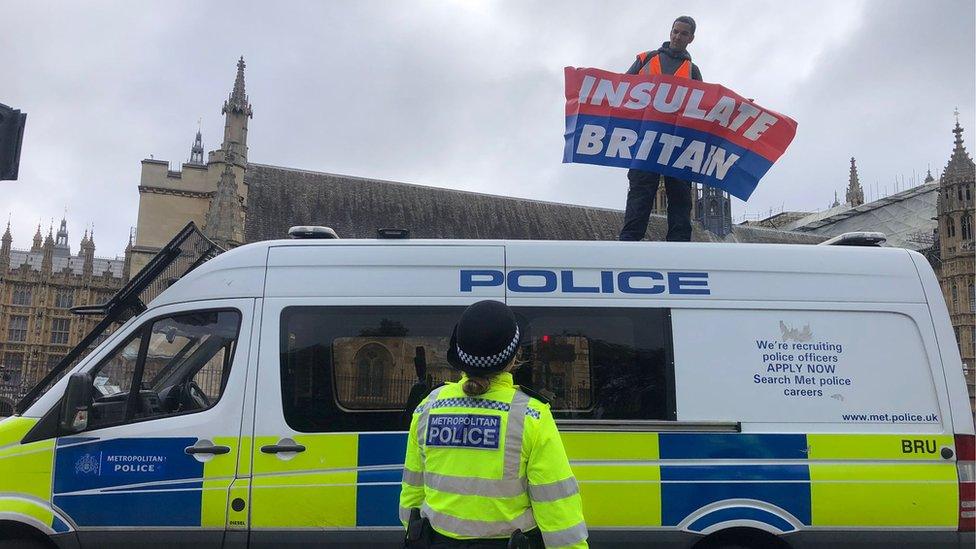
(38, 287)
(956, 259)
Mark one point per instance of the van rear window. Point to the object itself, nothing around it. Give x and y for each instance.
(367, 368)
(812, 367)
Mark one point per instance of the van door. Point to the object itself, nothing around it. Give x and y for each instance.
(160, 449)
(352, 338)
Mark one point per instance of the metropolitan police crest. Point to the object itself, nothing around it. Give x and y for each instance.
(87, 464)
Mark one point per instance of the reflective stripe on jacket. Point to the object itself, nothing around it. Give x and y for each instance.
(654, 65)
(480, 467)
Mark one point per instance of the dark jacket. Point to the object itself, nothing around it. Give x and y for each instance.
(670, 61)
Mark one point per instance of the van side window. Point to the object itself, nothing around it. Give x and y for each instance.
(179, 363)
(599, 363)
(367, 368)
(361, 368)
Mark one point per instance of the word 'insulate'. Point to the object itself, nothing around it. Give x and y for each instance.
(727, 112)
(715, 163)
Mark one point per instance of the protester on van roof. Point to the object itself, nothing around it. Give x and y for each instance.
(671, 58)
(522, 467)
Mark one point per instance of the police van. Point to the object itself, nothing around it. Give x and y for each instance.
(708, 395)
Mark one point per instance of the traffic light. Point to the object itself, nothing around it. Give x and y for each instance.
(12, 124)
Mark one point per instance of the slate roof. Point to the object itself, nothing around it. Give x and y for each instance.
(355, 207)
(901, 216)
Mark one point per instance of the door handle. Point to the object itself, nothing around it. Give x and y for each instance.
(284, 445)
(204, 450)
(207, 450)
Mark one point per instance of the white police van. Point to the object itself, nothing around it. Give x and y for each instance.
(709, 395)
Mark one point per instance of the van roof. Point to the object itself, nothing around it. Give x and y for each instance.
(767, 272)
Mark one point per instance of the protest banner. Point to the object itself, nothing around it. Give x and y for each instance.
(674, 126)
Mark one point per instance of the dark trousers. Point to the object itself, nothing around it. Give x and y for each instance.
(640, 202)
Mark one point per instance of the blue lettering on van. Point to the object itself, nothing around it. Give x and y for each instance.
(471, 278)
(565, 281)
(529, 281)
(624, 282)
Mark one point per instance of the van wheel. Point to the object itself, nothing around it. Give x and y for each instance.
(742, 538)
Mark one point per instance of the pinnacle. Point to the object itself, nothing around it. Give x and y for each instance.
(960, 164)
(237, 102)
(855, 194)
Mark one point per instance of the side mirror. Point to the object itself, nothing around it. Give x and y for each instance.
(74, 406)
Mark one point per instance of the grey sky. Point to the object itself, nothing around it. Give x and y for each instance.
(460, 94)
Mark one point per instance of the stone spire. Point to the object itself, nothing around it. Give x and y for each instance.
(88, 253)
(61, 246)
(855, 194)
(236, 110)
(36, 246)
(928, 176)
(960, 165)
(836, 201)
(196, 151)
(47, 262)
(224, 223)
(5, 244)
(237, 101)
(128, 258)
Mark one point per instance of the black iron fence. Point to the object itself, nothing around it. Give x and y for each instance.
(10, 393)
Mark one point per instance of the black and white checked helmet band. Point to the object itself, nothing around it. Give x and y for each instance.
(492, 361)
(485, 339)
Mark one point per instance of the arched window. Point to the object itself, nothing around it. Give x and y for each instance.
(972, 300)
(967, 227)
(950, 226)
(955, 298)
(373, 364)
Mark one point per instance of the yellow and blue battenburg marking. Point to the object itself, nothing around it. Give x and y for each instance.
(128, 481)
(688, 489)
(25, 477)
(91, 482)
(697, 482)
(378, 490)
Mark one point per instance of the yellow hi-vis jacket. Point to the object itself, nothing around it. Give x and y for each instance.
(480, 467)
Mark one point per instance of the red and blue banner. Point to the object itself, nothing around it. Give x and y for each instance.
(673, 126)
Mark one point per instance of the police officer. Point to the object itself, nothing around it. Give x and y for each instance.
(485, 466)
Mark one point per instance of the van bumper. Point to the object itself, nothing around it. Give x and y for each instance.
(903, 539)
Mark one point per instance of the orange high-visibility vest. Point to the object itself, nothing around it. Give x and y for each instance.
(654, 66)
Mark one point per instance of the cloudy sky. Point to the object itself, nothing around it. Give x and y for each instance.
(459, 94)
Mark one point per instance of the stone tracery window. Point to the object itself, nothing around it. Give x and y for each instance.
(60, 328)
(64, 299)
(967, 227)
(17, 330)
(373, 361)
(22, 295)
